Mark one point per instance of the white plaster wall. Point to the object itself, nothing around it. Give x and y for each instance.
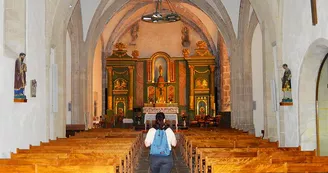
(1, 27)
(24, 123)
(68, 78)
(160, 37)
(97, 78)
(232, 7)
(298, 34)
(257, 82)
(88, 8)
(110, 26)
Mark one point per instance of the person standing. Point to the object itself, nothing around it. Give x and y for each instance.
(160, 138)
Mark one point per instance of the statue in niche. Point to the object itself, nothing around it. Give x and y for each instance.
(134, 33)
(185, 41)
(160, 70)
(20, 78)
(286, 84)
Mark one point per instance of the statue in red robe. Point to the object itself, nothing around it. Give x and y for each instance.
(20, 77)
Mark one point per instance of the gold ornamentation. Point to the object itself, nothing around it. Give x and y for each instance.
(130, 102)
(120, 110)
(202, 49)
(120, 84)
(201, 83)
(135, 54)
(110, 103)
(185, 53)
(201, 45)
(124, 72)
(120, 54)
(201, 72)
(153, 65)
(120, 46)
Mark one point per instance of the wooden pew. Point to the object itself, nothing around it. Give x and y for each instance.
(95, 151)
(231, 151)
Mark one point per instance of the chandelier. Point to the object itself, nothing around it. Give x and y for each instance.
(159, 16)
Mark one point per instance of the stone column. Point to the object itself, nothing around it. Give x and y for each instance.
(110, 88)
(130, 107)
(212, 89)
(192, 93)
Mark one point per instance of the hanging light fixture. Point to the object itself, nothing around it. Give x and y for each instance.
(161, 17)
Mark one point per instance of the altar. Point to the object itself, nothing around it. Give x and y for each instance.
(160, 83)
(171, 113)
(167, 117)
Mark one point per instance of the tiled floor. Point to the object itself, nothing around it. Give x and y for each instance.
(179, 164)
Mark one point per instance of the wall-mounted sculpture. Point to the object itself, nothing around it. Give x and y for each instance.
(185, 40)
(20, 79)
(134, 34)
(33, 87)
(286, 87)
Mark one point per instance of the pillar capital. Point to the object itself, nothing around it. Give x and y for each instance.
(191, 67)
(109, 69)
(212, 68)
(130, 68)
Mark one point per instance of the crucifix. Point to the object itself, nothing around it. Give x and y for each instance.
(314, 12)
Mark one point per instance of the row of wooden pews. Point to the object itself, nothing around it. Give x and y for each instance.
(94, 151)
(225, 151)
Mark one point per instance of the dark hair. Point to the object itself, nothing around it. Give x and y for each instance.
(160, 121)
(22, 54)
(285, 65)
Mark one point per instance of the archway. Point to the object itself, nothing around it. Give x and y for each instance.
(222, 21)
(321, 108)
(307, 93)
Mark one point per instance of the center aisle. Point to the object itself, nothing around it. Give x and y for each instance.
(179, 165)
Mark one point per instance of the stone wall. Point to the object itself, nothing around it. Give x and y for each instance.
(225, 76)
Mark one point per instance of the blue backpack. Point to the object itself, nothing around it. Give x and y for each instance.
(160, 146)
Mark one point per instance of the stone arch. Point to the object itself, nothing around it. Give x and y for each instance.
(195, 23)
(307, 92)
(98, 22)
(223, 25)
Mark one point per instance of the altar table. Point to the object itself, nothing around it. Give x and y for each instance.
(167, 117)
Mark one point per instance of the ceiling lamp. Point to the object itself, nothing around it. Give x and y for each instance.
(159, 16)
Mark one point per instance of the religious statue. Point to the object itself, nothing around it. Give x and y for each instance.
(201, 84)
(204, 84)
(117, 85)
(286, 84)
(160, 70)
(20, 78)
(123, 84)
(120, 84)
(33, 88)
(134, 34)
(185, 41)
